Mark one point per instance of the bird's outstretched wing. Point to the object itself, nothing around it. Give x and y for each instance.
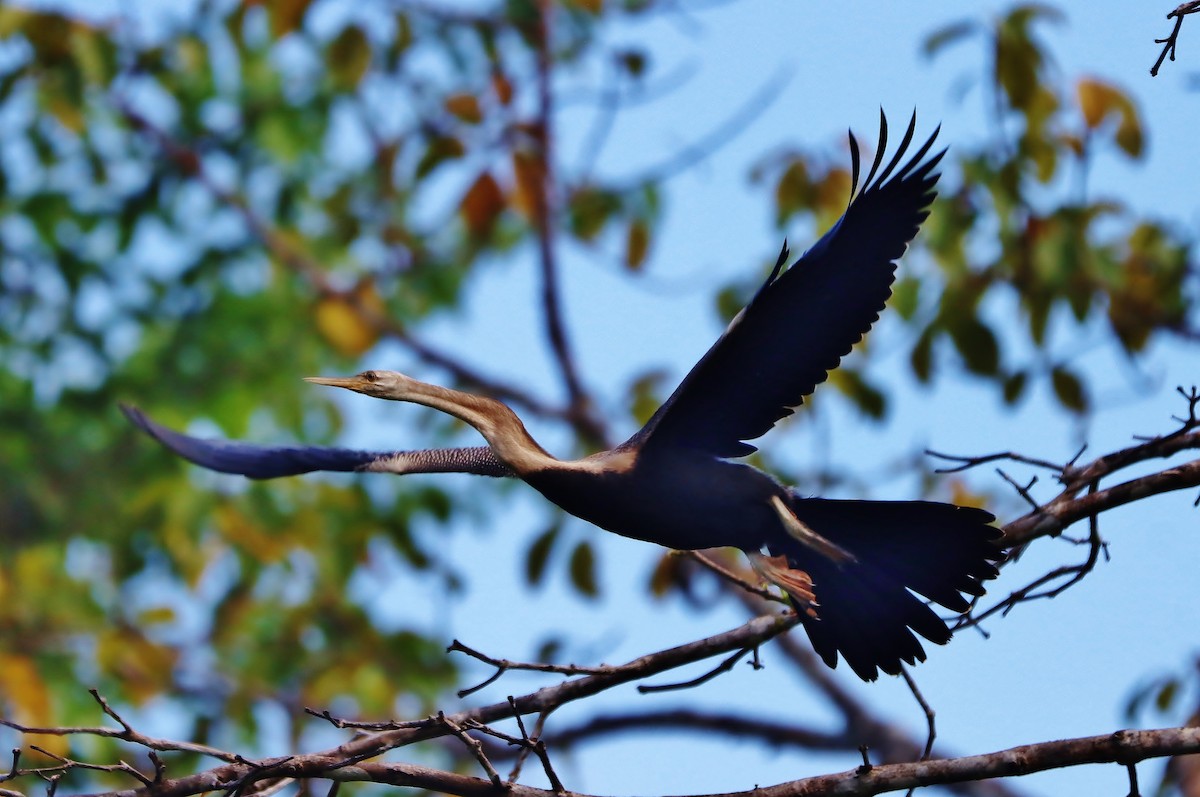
(804, 319)
(270, 462)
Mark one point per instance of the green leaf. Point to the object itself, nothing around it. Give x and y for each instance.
(921, 358)
(590, 209)
(906, 296)
(869, 399)
(349, 57)
(440, 150)
(1069, 389)
(539, 554)
(949, 34)
(1014, 386)
(977, 345)
(1166, 695)
(583, 569)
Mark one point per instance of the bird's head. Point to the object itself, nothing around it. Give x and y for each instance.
(380, 384)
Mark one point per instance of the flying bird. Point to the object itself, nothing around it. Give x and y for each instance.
(861, 574)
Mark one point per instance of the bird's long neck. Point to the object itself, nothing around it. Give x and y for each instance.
(498, 424)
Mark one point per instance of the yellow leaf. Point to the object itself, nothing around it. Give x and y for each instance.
(143, 667)
(248, 536)
(91, 50)
(25, 696)
(65, 111)
(465, 107)
(482, 203)
(345, 321)
(832, 194)
(962, 495)
(158, 614)
(1098, 100)
(12, 20)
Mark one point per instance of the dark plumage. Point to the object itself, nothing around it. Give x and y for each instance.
(859, 572)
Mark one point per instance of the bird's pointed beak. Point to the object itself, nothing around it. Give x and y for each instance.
(354, 383)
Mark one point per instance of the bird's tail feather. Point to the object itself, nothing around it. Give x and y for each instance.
(905, 554)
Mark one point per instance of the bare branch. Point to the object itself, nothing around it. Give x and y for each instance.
(474, 746)
(1122, 747)
(1068, 575)
(1066, 509)
(345, 761)
(579, 404)
(930, 714)
(126, 733)
(776, 734)
(723, 667)
(504, 665)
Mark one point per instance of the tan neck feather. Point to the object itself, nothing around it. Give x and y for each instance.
(498, 424)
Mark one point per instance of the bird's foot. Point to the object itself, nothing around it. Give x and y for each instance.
(796, 583)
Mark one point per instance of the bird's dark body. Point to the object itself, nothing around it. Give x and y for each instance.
(862, 572)
(678, 500)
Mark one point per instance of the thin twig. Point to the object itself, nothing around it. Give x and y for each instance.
(125, 733)
(1172, 40)
(966, 462)
(504, 665)
(474, 746)
(724, 666)
(1072, 574)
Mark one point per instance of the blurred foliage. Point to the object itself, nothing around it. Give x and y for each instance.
(195, 219)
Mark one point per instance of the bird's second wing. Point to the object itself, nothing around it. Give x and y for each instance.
(270, 462)
(804, 320)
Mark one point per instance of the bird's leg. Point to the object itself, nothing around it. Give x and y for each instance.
(804, 535)
(796, 583)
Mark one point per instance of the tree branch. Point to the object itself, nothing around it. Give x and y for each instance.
(1180, 11)
(334, 763)
(580, 407)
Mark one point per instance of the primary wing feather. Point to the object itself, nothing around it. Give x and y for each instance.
(804, 320)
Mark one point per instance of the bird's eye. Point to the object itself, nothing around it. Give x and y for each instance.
(370, 376)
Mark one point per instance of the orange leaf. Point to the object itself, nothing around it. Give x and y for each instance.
(637, 242)
(482, 203)
(503, 87)
(527, 168)
(465, 107)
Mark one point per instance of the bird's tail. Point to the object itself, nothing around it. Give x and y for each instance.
(902, 555)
